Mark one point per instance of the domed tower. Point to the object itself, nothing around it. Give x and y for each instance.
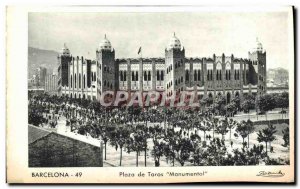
(174, 67)
(64, 58)
(106, 67)
(258, 68)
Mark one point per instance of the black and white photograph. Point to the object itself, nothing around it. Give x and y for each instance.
(160, 89)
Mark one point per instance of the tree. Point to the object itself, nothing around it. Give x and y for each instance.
(286, 137)
(119, 138)
(241, 130)
(250, 129)
(266, 103)
(219, 104)
(105, 132)
(185, 149)
(230, 108)
(282, 101)
(158, 151)
(248, 104)
(267, 135)
(231, 125)
(223, 128)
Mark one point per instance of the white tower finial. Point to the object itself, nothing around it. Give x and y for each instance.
(104, 36)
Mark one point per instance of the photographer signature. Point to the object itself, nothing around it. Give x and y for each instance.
(270, 174)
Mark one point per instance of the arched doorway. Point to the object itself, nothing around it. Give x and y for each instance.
(228, 98)
(83, 96)
(71, 95)
(75, 95)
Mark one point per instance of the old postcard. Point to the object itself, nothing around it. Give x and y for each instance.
(150, 94)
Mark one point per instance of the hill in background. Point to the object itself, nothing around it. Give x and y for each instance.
(39, 57)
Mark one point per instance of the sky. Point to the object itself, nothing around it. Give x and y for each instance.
(201, 33)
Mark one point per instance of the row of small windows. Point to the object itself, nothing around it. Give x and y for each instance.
(147, 76)
(178, 81)
(219, 75)
(159, 75)
(79, 81)
(209, 75)
(178, 64)
(123, 75)
(169, 68)
(169, 84)
(236, 74)
(134, 76)
(107, 84)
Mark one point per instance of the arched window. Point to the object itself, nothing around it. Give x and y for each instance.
(161, 75)
(71, 82)
(75, 82)
(227, 71)
(121, 75)
(208, 75)
(181, 78)
(145, 76)
(157, 75)
(187, 75)
(219, 70)
(79, 81)
(124, 76)
(94, 76)
(104, 83)
(199, 75)
(228, 98)
(132, 76)
(149, 76)
(84, 81)
(136, 75)
(195, 75)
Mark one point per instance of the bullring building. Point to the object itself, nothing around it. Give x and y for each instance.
(207, 77)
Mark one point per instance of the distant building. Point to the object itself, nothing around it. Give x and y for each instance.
(278, 77)
(51, 84)
(40, 73)
(207, 77)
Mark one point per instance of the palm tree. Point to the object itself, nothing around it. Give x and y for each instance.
(241, 129)
(119, 138)
(231, 125)
(267, 135)
(223, 128)
(250, 129)
(286, 137)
